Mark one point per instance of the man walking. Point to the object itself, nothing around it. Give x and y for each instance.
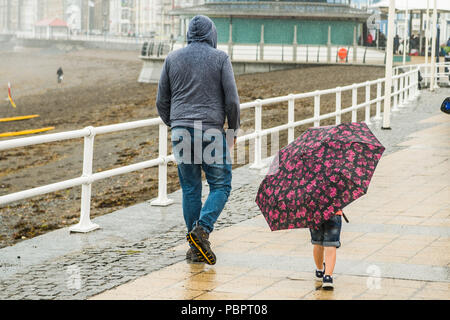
(196, 94)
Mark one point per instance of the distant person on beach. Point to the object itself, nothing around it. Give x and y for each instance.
(197, 92)
(60, 74)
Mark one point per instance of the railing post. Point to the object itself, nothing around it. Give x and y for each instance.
(396, 94)
(291, 117)
(354, 102)
(338, 105)
(411, 87)
(416, 84)
(261, 50)
(257, 164)
(355, 46)
(329, 45)
(378, 108)
(85, 224)
(306, 53)
(230, 41)
(367, 113)
(294, 45)
(317, 109)
(406, 89)
(405, 92)
(162, 199)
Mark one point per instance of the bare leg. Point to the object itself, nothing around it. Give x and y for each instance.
(330, 260)
(318, 256)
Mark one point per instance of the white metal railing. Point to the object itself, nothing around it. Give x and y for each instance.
(245, 51)
(300, 53)
(441, 75)
(405, 89)
(83, 37)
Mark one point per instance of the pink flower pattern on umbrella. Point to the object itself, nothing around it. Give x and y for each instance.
(318, 174)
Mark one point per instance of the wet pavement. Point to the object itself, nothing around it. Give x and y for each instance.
(396, 245)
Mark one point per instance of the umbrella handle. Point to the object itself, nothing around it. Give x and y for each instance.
(345, 218)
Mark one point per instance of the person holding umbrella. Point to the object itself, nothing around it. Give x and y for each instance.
(325, 241)
(312, 179)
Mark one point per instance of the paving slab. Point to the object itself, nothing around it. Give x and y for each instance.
(139, 251)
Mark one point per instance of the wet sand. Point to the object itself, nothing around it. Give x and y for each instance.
(100, 88)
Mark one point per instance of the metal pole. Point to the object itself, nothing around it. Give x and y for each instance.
(421, 33)
(398, 98)
(261, 49)
(316, 110)
(433, 48)
(257, 164)
(329, 45)
(354, 102)
(338, 105)
(378, 111)
(405, 33)
(367, 113)
(85, 224)
(291, 117)
(427, 41)
(230, 41)
(355, 45)
(388, 70)
(294, 45)
(162, 199)
(88, 17)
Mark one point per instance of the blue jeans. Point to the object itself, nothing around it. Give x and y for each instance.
(218, 175)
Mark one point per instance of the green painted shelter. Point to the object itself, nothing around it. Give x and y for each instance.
(280, 22)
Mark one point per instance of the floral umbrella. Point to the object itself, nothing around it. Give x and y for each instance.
(318, 174)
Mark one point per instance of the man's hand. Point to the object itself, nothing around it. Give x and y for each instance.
(231, 145)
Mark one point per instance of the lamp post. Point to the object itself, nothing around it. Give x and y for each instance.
(388, 72)
(405, 33)
(433, 49)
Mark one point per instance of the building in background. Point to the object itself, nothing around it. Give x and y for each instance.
(80, 15)
(146, 18)
(277, 22)
(20, 15)
(121, 17)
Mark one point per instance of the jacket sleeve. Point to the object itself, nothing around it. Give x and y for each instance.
(164, 95)
(231, 97)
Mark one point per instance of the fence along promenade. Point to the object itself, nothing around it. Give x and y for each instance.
(405, 89)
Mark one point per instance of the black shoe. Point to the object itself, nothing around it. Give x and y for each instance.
(327, 283)
(193, 255)
(198, 238)
(319, 274)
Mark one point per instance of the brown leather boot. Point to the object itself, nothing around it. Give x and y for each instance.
(198, 238)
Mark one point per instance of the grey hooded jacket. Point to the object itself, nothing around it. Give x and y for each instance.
(197, 82)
